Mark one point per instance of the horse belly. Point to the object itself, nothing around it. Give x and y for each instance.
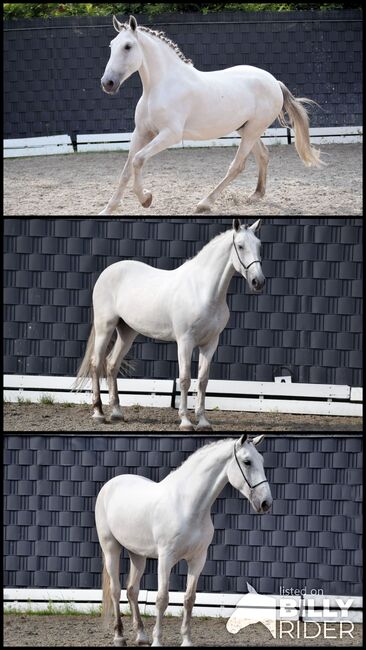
(229, 98)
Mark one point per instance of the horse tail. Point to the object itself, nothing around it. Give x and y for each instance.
(85, 369)
(299, 120)
(107, 598)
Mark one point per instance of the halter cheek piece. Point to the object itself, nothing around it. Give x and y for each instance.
(252, 487)
(242, 263)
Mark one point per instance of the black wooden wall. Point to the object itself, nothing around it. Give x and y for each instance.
(309, 318)
(312, 539)
(52, 68)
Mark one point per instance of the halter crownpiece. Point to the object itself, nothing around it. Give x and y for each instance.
(241, 262)
(252, 487)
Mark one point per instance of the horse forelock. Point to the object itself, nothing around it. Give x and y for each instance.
(162, 36)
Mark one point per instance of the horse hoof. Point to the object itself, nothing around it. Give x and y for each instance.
(253, 198)
(187, 428)
(99, 419)
(203, 207)
(199, 429)
(117, 417)
(120, 643)
(148, 200)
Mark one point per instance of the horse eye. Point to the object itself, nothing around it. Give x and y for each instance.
(128, 47)
(247, 463)
(240, 247)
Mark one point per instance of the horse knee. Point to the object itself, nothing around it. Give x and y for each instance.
(189, 601)
(162, 601)
(132, 592)
(138, 161)
(185, 383)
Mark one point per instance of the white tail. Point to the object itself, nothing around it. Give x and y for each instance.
(299, 120)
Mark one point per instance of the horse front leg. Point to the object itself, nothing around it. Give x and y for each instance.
(206, 355)
(138, 140)
(166, 138)
(185, 350)
(165, 566)
(195, 567)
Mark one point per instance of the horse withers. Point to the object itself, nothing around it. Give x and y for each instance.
(171, 521)
(187, 305)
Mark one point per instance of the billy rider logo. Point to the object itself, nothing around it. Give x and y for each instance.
(281, 615)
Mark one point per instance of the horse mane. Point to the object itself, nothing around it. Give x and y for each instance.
(208, 245)
(162, 36)
(200, 452)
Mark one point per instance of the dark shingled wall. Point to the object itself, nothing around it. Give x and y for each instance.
(309, 318)
(311, 539)
(52, 68)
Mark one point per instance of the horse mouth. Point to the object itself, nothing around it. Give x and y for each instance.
(257, 292)
(114, 91)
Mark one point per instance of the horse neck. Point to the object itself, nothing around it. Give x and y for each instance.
(203, 476)
(158, 59)
(215, 267)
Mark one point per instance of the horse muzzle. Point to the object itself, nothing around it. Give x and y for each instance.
(110, 85)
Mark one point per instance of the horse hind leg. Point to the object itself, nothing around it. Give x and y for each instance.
(137, 569)
(124, 342)
(261, 154)
(103, 335)
(249, 135)
(112, 588)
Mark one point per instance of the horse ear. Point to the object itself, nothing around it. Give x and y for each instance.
(133, 23)
(251, 589)
(255, 225)
(237, 224)
(243, 439)
(257, 441)
(117, 25)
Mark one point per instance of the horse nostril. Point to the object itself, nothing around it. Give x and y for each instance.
(265, 506)
(109, 84)
(255, 283)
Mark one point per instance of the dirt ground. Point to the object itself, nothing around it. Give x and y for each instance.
(74, 631)
(81, 184)
(58, 417)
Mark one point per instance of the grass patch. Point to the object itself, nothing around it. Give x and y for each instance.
(46, 400)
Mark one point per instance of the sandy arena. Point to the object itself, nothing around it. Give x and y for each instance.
(82, 184)
(58, 417)
(88, 631)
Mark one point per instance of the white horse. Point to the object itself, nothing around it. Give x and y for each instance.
(171, 521)
(180, 102)
(187, 305)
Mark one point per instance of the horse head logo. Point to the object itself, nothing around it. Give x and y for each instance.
(253, 608)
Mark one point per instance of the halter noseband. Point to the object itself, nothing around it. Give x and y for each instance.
(242, 263)
(252, 487)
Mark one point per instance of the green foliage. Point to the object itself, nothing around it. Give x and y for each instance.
(14, 10)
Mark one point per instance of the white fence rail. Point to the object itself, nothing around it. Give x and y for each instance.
(245, 396)
(89, 142)
(212, 605)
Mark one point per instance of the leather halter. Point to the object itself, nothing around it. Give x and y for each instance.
(242, 263)
(252, 487)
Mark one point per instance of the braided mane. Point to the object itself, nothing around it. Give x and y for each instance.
(162, 36)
